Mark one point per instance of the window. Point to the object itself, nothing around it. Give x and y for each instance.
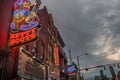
(51, 55)
(42, 52)
(49, 31)
(53, 37)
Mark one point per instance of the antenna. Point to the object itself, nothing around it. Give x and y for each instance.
(70, 56)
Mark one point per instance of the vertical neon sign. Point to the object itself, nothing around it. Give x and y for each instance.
(25, 20)
(56, 55)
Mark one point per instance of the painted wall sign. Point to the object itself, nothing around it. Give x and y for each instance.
(24, 23)
(22, 37)
(30, 68)
(36, 70)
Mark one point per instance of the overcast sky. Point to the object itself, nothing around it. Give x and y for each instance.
(91, 26)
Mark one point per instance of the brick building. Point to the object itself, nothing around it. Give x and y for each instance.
(53, 44)
(42, 59)
(48, 48)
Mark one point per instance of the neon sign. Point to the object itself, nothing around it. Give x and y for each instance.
(56, 55)
(22, 37)
(24, 17)
(24, 23)
(31, 25)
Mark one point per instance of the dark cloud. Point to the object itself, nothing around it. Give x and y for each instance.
(91, 26)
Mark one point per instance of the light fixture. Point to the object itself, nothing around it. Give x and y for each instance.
(34, 57)
(52, 72)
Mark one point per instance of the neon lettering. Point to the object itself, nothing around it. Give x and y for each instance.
(23, 24)
(29, 26)
(22, 37)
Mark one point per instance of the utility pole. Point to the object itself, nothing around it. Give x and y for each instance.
(112, 72)
(78, 66)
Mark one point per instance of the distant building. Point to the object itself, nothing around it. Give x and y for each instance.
(97, 77)
(100, 78)
(118, 75)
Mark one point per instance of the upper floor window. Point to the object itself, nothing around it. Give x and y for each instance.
(53, 37)
(40, 50)
(49, 31)
(51, 55)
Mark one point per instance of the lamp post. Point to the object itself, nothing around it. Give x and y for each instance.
(79, 64)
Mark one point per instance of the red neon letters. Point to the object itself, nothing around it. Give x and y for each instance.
(22, 37)
(56, 55)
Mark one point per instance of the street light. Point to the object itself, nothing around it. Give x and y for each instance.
(78, 62)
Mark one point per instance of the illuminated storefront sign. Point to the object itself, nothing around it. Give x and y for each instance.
(22, 37)
(24, 23)
(56, 54)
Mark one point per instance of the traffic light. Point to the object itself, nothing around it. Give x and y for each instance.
(86, 69)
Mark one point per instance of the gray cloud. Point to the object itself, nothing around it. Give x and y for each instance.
(88, 26)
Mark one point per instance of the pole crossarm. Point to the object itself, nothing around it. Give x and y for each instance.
(97, 66)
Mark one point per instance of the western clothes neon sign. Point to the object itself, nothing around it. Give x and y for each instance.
(24, 23)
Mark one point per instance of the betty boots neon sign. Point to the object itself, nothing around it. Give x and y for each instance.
(22, 37)
(24, 23)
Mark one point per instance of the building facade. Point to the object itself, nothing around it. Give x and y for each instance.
(53, 44)
(42, 59)
(72, 72)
